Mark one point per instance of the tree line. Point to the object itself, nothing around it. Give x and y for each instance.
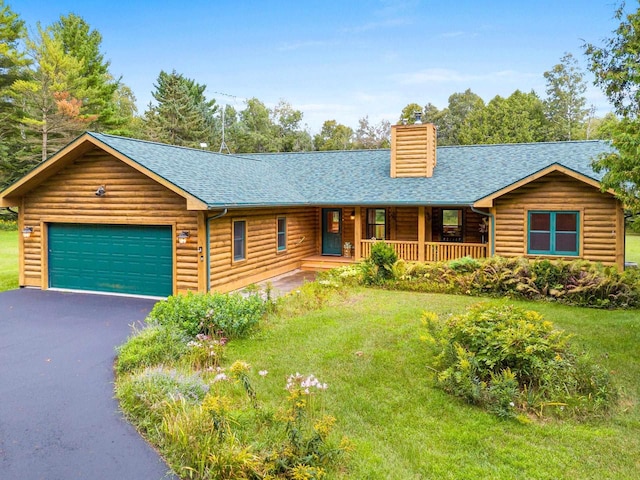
(55, 84)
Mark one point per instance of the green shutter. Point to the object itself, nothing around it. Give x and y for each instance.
(130, 259)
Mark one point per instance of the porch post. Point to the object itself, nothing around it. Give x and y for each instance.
(421, 234)
(357, 234)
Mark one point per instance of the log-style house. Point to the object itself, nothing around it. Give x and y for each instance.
(113, 214)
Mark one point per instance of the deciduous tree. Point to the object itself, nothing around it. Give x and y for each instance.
(369, 136)
(333, 136)
(49, 99)
(617, 72)
(565, 105)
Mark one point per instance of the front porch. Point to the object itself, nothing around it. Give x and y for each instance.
(408, 251)
(428, 251)
(417, 234)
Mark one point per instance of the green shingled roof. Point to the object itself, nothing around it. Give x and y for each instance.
(463, 175)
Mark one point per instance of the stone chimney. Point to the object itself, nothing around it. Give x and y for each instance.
(413, 150)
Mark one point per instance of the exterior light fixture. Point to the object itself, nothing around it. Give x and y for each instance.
(352, 216)
(27, 231)
(101, 191)
(183, 237)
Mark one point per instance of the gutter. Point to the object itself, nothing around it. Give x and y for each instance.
(208, 246)
(493, 227)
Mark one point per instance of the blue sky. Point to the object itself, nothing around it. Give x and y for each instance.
(344, 59)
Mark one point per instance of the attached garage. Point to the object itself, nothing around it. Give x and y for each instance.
(129, 259)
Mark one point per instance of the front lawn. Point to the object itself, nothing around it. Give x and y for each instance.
(366, 347)
(8, 260)
(632, 248)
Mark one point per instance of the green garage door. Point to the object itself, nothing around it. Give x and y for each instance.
(131, 259)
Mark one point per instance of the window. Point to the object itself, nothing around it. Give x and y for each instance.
(282, 233)
(376, 223)
(452, 225)
(553, 233)
(239, 240)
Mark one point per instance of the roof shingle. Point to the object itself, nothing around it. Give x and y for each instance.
(463, 174)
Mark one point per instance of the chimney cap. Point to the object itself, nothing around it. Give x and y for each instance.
(418, 116)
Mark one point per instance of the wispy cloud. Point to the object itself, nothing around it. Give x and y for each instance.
(444, 75)
(380, 25)
(458, 33)
(305, 44)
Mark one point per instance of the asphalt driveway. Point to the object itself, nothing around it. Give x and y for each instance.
(58, 417)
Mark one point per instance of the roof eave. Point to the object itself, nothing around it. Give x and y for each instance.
(488, 200)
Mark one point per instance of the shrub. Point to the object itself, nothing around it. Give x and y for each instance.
(578, 282)
(378, 268)
(8, 225)
(230, 315)
(151, 346)
(509, 361)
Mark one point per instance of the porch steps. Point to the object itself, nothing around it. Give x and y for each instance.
(319, 263)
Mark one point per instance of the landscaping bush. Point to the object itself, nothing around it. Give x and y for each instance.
(212, 314)
(511, 361)
(379, 266)
(579, 282)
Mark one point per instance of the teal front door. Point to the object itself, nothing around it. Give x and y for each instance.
(130, 259)
(331, 231)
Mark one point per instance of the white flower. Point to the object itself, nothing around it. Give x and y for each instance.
(220, 377)
(511, 404)
(263, 373)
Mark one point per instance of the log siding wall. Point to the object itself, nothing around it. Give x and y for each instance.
(131, 198)
(599, 214)
(263, 259)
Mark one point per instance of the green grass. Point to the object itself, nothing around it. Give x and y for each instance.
(633, 248)
(8, 260)
(367, 348)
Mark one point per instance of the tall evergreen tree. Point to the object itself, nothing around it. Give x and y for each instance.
(96, 86)
(565, 105)
(12, 63)
(182, 115)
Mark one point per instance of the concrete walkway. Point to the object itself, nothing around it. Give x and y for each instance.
(285, 283)
(58, 417)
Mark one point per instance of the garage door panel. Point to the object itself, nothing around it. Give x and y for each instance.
(133, 259)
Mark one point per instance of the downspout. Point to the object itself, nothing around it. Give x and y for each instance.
(208, 246)
(493, 227)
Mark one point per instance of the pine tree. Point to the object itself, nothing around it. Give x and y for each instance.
(96, 86)
(182, 115)
(12, 63)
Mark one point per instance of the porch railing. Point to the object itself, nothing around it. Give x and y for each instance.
(433, 251)
(445, 251)
(405, 250)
